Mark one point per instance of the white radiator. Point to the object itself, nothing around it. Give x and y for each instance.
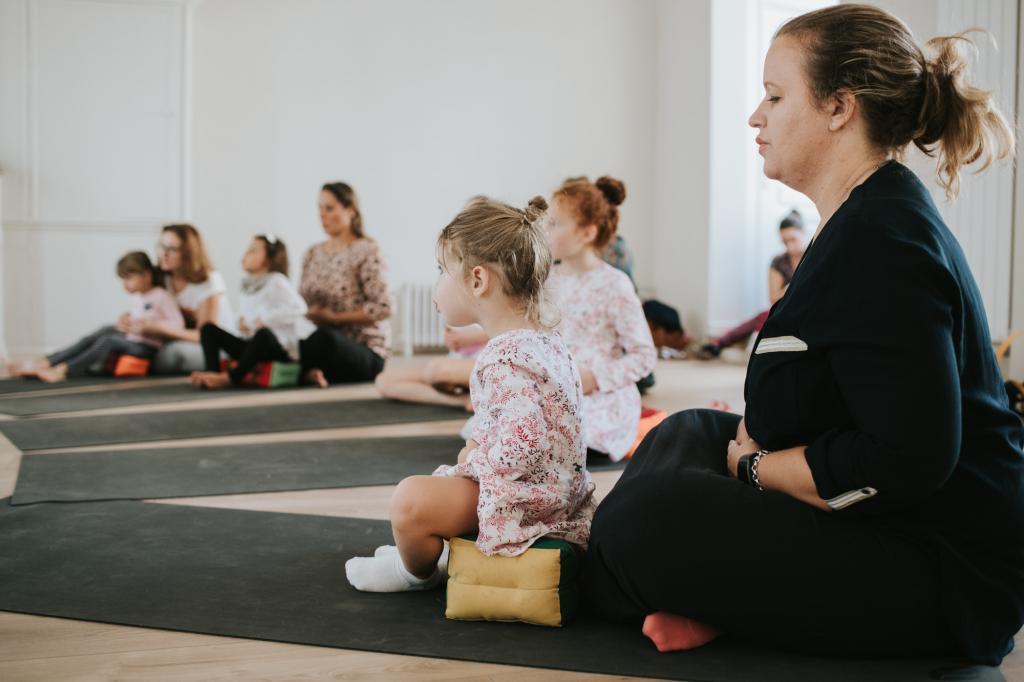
(420, 326)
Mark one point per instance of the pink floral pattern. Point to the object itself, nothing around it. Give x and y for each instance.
(351, 280)
(603, 323)
(530, 461)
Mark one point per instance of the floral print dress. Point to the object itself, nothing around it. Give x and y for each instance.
(603, 323)
(530, 461)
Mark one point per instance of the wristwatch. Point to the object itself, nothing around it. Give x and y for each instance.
(743, 468)
(746, 469)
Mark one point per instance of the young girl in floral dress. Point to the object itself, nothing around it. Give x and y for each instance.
(602, 319)
(522, 474)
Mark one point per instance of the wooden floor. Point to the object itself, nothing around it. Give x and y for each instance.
(49, 649)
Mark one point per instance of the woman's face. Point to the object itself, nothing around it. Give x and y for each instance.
(792, 130)
(566, 238)
(794, 241)
(451, 295)
(255, 258)
(169, 252)
(335, 218)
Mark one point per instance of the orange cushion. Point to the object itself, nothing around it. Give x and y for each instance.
(649, 418)
(131, 366)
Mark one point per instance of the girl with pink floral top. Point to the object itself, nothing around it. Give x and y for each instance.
(522, 474)
(602, 319)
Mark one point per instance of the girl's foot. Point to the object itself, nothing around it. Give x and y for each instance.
(26, 368)
(385, 572)
(53, 375)
(316, 378)
(670, 632)
(212, 380)
(196, 379)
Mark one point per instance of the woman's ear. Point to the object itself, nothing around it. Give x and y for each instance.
(841, 109)
(589, 233)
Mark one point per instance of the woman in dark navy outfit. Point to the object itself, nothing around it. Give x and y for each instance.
(871, 501)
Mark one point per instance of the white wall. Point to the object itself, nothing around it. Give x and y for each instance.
(682, 113)
(746, 207)
(91, 147)
(418, 106)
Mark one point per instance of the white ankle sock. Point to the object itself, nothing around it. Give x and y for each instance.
(442, 562)
(385, 572)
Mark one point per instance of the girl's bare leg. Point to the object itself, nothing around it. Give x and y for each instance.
(413, 386)
(425, 510)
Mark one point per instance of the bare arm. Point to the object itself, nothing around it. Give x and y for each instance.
(776, 286)
(207, 312)
(784, 470)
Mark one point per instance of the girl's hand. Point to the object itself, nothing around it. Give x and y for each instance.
(146, 328)
(243, 328)
(452, 339)
(257, 325)
(464, 452)
(123, 323)
(588, 380)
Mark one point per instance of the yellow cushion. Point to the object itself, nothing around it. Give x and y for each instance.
(538, 586)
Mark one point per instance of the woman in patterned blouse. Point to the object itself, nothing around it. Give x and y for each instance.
(344, 283)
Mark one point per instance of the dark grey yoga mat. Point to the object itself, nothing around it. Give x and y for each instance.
(281, 577)
(225, 470)
(65, 432)
(15, 385)
(124, 396)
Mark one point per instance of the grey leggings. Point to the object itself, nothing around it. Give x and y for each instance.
(90, 353)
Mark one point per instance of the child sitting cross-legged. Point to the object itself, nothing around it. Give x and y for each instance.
(522, 474)
(272, 320)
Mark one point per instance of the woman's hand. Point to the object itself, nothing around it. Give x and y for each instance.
(243, 328)
(741, 446)
(464, 452)
(319, 315)
(588, 380)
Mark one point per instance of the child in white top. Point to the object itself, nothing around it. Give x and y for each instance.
(523, 473)
(602, 319)
(272, 319)
(151, 305)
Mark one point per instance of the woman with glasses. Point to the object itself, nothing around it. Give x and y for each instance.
(200, 293)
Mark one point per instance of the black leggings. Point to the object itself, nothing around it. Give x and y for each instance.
(341, 359)
(262, 347)
(90, 352)
(678, 534)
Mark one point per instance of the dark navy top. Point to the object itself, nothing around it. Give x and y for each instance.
(879, 359)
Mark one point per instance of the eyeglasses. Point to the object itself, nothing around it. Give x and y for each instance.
(164, 248)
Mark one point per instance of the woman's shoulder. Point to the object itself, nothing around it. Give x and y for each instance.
(365, 247)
